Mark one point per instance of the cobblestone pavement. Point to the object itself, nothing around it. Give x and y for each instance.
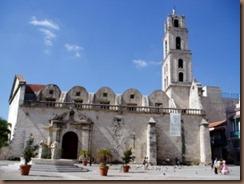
(9, 170)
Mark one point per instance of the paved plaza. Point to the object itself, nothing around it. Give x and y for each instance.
(9, 170)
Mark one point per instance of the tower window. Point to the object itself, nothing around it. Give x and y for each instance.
(178, 43)
(165, 46)
(132, 96)
(181, 77)
(180, 63)
(176, 23)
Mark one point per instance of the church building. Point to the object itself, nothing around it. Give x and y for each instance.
(169, 123)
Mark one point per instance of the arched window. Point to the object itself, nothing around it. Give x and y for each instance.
(176, 23)
(180, 63)
(178, 43)
(165, 47)
(181, 77)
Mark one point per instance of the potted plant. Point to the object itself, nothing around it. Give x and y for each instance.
(104, 156)
(84, 155)
(29, 152)
(127, 158)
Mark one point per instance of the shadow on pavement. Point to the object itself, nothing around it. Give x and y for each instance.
(137, 172)
(42, 175)
(117, 176)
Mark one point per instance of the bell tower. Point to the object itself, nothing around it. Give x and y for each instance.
(177, 65)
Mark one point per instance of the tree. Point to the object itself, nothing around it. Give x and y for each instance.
(4, 133)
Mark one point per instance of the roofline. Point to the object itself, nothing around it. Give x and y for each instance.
(21, 83)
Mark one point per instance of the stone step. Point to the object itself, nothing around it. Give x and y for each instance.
(53, 161)
(57, 168)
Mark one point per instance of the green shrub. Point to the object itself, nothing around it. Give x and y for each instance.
(127, 158)
(46, 152)
(104, 155)
(30, 150)
(84, 154)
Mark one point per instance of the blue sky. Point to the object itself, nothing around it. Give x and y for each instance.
(115, 43)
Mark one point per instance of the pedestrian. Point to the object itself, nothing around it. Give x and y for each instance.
(220, 166)
(215, 165)
(145, 163)
(225, 170)
(177, 161)
(213, 162)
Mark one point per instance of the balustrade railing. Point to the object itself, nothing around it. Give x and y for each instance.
(115, 108)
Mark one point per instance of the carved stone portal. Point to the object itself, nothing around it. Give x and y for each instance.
(69, 122)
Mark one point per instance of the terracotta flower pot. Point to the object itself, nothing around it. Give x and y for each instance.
(25, 169)
(126, 168)
(85, 162)
(103, 170)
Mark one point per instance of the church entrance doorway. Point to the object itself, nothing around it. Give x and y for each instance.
(69, 145)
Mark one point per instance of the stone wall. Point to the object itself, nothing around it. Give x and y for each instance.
(180, 94)
(213, 103)
(116, 131)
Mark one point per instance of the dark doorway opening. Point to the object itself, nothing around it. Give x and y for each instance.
(69, 145)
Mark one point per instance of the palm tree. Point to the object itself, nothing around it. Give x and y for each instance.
(4, 133)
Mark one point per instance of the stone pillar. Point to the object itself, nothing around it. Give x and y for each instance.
(205, 147)
(151, 142)
(85, 138)
(54, 140)
(55, 150)
(40, 149)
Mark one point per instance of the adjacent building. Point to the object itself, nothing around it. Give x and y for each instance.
(225, 135)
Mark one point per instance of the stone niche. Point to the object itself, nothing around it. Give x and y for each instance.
(132, 97)
(50, 92)
(105, 95)
(77, 94)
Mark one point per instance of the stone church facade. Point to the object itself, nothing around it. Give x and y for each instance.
(70, 121)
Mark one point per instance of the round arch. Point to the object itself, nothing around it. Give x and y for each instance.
(70, 145)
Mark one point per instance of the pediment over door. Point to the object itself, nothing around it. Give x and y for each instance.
(70, 117)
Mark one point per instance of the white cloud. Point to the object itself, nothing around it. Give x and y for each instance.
(48, 36)
(47, 28)
(76, 49)
(140, 63)
(49, 24)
